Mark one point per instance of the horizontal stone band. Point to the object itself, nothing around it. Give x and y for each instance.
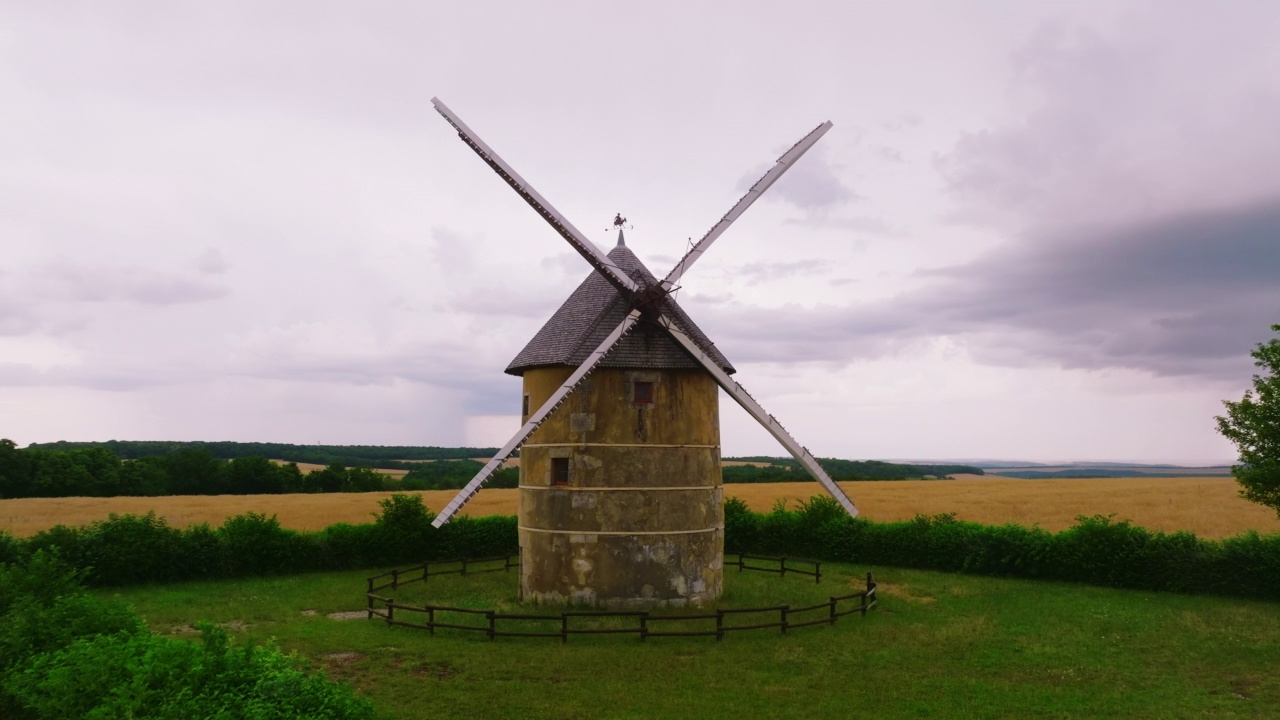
(626, 445)
(620, 532)
(609, 489)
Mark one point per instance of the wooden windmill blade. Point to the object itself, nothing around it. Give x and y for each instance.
(784, 163)
(757, 411)
(585, 247)
(471, 488)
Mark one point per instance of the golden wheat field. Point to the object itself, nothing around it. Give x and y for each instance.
(1207, 506)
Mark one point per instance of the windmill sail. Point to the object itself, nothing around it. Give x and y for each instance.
(757, 411)
(783, 164)
(638, 288)
(536, 419)
(585, 247)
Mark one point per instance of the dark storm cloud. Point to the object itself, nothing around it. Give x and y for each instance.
(1185, 295)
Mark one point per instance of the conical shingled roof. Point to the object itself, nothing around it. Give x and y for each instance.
(594, 310)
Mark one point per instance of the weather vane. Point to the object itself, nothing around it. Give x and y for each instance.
(620, 222)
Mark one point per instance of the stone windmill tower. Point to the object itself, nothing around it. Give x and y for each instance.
(620, 488)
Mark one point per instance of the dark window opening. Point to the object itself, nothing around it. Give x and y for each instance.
(643, 393)
(524, 407)
(559, 471)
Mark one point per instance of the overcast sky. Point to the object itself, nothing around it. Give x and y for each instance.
(1043, 231)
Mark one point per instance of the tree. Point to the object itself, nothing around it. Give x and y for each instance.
(1253, 424)
(15, 471)
(193, 470)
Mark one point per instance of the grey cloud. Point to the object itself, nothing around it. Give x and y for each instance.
(758, 272)
(117, 376)
(884, 152)
(1188, 295)
(211, 262)
(907, 121)
(78, 283)
(1164, 115)
(812, 185)
(859, 224)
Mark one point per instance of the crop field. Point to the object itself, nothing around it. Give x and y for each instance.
(1207, 506)
(939, 645)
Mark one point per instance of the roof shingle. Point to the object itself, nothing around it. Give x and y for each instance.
(593, 311)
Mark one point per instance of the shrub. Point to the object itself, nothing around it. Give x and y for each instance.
(67, 654)
(254, 544)
(130, 549)
(142, 675)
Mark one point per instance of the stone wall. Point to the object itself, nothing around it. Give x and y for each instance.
(640, 522)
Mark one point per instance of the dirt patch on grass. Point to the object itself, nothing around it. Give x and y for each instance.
(348, 615)
(438, 670)
(904, 592)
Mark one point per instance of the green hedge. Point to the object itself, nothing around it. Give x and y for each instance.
(135, 549)
(131, 549)
(1097, 550)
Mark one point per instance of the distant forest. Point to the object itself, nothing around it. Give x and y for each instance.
(788, 470)
(144, 468)
(384, 457)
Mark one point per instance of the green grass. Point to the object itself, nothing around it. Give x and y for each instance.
(939, 646)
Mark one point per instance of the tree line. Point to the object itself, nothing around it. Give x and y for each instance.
(788, 470)
(385, 457)
(95, 470)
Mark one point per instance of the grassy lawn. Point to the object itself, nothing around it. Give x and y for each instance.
(939, 646)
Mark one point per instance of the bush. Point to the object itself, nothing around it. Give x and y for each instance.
(67, 654)
(130, 549)
(254, 544)
(142, 675)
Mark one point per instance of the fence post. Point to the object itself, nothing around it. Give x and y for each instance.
(817, 573)
(391, 610)
(785, 609)
(644, 626)
(783, 561)
(832, 616)
(431, 620)
(395, 579)
(741, 563)
(426, 571)
(369, 604)
(719, 625)
(493, 620)
(564, 628)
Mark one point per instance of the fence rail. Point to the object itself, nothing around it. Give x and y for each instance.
(713, 623)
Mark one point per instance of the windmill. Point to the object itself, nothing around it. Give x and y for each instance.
(621, 501)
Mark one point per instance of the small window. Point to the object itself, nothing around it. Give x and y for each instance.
(643, 393)
(524, 407)
(559, 471)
